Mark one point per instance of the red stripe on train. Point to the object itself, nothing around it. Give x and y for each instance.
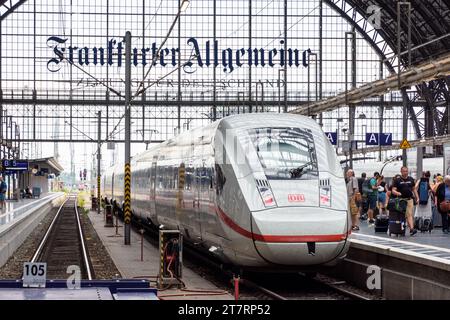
(278, 238)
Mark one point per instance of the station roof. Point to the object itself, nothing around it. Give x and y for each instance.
(51, 162)
(430, 19)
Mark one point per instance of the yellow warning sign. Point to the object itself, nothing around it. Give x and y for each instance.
(405, 144)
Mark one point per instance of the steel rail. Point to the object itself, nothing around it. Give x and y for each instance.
(83, 245)
(41, 246)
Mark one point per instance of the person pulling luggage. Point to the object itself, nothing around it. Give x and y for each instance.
(423, 215)
(404, 187)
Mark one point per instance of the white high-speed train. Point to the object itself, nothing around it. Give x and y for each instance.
(256, 190)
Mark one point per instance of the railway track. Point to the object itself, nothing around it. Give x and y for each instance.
(293, 286)
(300, 287)
(63, 244)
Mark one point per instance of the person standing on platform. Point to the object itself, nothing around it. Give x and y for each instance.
(443, 202)
(352, 190)
(404, 187)
(381, 194)
(389, 194)
(3, 189)
(362, 197)
(372, 196)
(423, 188)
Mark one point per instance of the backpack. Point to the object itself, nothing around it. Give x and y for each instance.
(365, 187)
(397, 204)
(423, 192)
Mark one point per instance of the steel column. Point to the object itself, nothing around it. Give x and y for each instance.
(214, 115)
(285, 59)
(351, 107)
(127, 178)
(99, 158)
(320, 56)
(399, 43)
(179, 71)
(250, 45)
(381, 108)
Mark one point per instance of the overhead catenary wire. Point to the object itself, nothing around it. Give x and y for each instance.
(155, 56)
(149, 86)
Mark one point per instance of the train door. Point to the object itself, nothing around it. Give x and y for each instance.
(198, 199)
(210, 224)
(153, 215)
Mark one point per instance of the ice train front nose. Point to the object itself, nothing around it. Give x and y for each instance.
(291, 236)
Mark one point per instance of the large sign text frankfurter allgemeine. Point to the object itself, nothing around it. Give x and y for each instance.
(210, 55)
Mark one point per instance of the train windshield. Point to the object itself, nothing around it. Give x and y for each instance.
(285, 153)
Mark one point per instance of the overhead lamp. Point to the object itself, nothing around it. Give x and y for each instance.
(362, 116)
(184, 5)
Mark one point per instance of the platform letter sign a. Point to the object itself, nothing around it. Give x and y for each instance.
(372, 139)
(34, 274)
(332, 136)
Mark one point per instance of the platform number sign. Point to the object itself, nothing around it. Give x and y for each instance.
(378, 139)
(34, 274)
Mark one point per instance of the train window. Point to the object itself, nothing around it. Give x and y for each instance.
(220, 179)
(189, 177)
(285, 153)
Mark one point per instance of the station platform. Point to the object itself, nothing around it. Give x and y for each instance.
(409, 267)
(19, 218)
(435, 240)
(14, 209)
(127, 259)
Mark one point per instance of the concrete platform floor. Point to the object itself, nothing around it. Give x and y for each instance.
(436, 238)
(6, 213)
(128, 260)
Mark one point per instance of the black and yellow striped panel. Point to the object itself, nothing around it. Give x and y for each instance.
(127, 194)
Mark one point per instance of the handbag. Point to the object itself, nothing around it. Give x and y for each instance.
(358, 197)
(444, 206)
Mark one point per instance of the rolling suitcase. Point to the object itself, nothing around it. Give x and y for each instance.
(381, 223)
(397, 224)
(424, 224)
(424, 217)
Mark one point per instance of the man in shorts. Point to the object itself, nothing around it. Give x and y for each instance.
(405, 187)
(352, 189)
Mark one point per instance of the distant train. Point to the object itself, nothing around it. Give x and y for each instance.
(255, 190)
(434, 165)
